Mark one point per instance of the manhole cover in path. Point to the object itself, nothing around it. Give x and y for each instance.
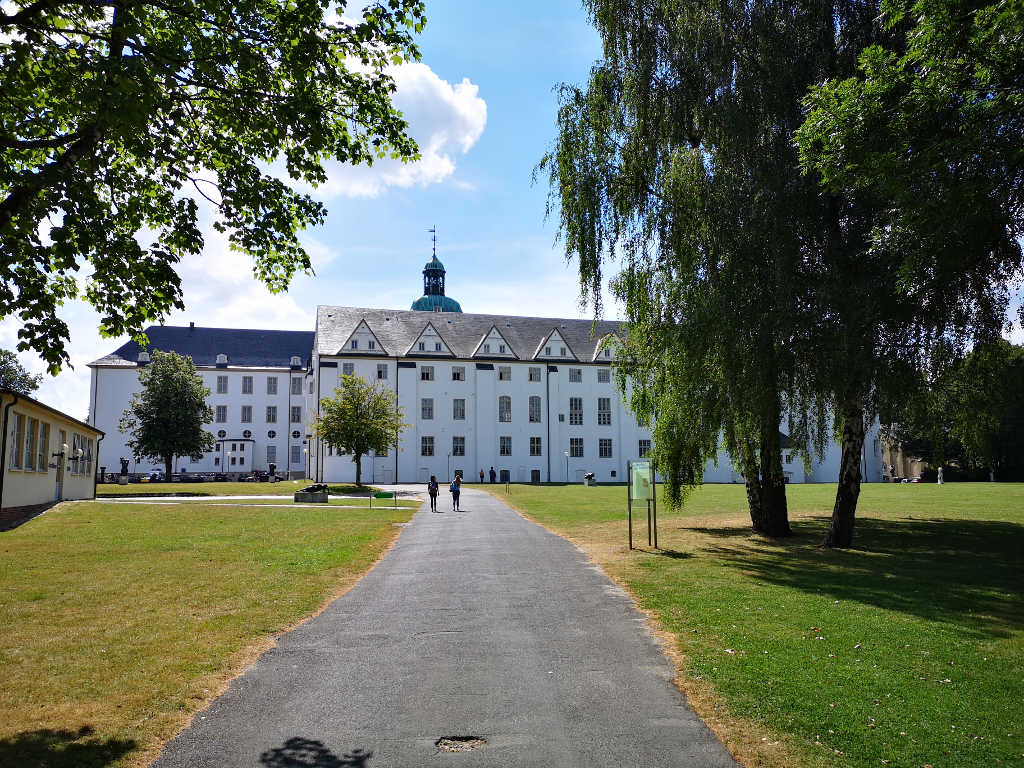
(459, 743)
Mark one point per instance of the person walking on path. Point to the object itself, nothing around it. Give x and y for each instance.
(494, 475)
(432, 491)
(481, 475)
(456, 489)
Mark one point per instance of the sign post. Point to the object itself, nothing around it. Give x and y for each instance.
(629, 499)
(641, 488)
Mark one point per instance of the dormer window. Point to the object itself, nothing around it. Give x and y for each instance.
(355, 344)
(222, 359)
(143, 357)
(437, 309)
(296, 361)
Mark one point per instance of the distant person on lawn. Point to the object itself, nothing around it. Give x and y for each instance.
(494, 475)
(456, 489)
(432, 491)
(481, 475)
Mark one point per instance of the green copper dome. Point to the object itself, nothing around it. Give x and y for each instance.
(436, 303)
(433, 298)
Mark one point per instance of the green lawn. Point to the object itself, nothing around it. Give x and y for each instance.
(282, 488)
(286, 501)
(120, 620)
(906, 651)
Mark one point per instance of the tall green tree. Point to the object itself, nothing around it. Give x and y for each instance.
(167, 418)
(117, 116)
(13, 375)
(361, 417)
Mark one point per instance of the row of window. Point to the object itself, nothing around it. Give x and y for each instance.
(604, 446)
(221, 414)
(247, 385)
(604, 409)
(239, 460)
(604, 375)
(30, 447)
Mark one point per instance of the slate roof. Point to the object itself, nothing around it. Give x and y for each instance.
(396, 330)
(244, 347)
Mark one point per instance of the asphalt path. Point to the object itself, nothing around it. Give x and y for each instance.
(477, 623)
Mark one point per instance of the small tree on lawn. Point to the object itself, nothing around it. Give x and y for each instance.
(166, 418)
(361, 417)
(13, 375)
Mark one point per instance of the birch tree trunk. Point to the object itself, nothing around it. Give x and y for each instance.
(840, 532)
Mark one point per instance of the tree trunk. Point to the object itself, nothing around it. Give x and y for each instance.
(358, 459)
(840, 532)
(752, 480)
(774, 519)
(168, 463)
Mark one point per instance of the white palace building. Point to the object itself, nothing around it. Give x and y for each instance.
(532, 397)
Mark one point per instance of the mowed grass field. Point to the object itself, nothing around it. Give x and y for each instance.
(905, 651)
(121, 620)
(281, 488)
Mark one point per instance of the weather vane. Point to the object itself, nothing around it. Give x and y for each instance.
(433, 231)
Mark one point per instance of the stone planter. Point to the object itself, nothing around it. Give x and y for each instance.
(314, 497)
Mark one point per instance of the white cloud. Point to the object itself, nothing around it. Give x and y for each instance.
(446, 120)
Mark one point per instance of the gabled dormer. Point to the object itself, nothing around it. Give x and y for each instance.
(429, 342)
(606, 349)
(493, 344)
(362, 342)
(554, 347)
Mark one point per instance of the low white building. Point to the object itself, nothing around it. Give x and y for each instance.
(47, 456)
(533, 398)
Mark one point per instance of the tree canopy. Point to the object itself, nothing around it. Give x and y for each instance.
(13, 375)
(117, 116)
(361, 417)
(167, 418)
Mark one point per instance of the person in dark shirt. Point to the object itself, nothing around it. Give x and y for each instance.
(456, 489)
(494, 475)
(432, 491)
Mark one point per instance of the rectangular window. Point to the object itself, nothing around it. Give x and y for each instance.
(458, 373)
(603, 375)
(487, 348)
(296, 385)
(296, 414)
(576, 411)
(382, 371)
(575, 375)
(271, 385)
(504, 408)
(44, 448)
(505, 445)
(534, 373)
(547, 351)
(247, 414)
(789, 458)
(271, 454)
(576, 447)
(348, 369)
(222, 414)
(458, 446)
(604, 411)
(426, 446)
(297, 456)
(271, 414)
(504, 373)
(241, 460)
(222, 385)
(422, 346)
(644, 448)
(501, 349)
(30, 444)
(247, 385)
(354, 344)
(459, 409)
(371, 344)
(437, 346)
(604, 448)
(535, 409)
(535, 446)
(427, 408)
(427, 373)
(562, 353)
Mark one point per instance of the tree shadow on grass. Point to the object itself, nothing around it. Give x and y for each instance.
(47, 748)
(966, 573)
(299, 752)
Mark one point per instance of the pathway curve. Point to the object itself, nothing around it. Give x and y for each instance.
(477, 623)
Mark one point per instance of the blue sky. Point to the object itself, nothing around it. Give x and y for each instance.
(482, 107)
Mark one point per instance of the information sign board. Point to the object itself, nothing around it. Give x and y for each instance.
(641, 485)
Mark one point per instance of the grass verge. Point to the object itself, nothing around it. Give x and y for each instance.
(121, 620)
(905, 651)
(282, 488)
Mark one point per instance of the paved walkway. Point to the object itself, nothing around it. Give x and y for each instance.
(477, 623)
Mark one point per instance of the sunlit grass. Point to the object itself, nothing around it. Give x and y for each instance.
(119, 620)
(907, 650)
(281, 488)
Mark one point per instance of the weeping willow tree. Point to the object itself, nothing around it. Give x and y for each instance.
(676, 164)
(754, 294)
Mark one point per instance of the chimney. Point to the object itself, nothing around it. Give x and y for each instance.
(191, 326)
